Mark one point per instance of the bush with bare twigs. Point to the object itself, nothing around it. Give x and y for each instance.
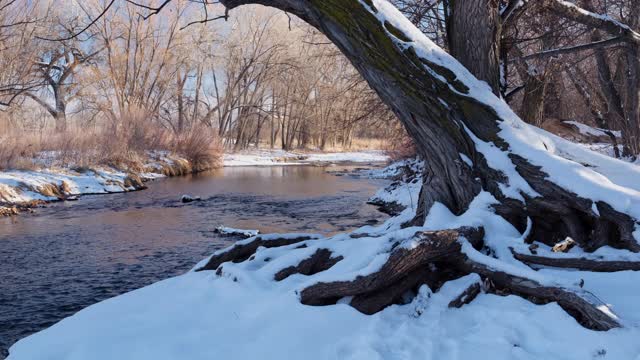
(123, 146)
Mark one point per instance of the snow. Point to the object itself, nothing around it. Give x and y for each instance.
(232, 231)
(199, 315)
(466, 159)
(24, 186)
(404, 193)
(244, 313)
(281, 157)
(21, 186)
(588, 130)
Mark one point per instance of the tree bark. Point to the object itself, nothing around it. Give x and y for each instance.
(473, 31)
(632, 138)
(437, 111)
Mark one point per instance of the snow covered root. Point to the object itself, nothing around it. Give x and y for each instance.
(247, 304)
(431, 258)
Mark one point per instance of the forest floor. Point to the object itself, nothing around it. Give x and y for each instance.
(23, 190)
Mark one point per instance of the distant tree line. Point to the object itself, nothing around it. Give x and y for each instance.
(270, 81)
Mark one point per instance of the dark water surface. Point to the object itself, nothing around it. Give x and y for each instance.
(71, 255)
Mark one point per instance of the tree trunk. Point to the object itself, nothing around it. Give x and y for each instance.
(437, 111)
(449, 116)
(473, 31)
(632, 138)
(533, 101)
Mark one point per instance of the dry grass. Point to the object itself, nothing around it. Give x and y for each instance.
(201, 146)
(359, 144)
(124, 147)
(15, 152)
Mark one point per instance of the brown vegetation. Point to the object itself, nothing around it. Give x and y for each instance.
(129, 148)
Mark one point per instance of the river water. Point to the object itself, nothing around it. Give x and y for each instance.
(71, 255)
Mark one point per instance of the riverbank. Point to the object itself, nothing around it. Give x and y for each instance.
(24, 190)
(221, 302)
(70, 255)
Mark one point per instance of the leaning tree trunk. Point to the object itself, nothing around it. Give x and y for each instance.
(447, 125)
(438, 112)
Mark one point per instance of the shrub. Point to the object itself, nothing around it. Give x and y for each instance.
(124, 145)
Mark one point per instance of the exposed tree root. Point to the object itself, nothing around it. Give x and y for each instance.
(466, 297)
(577, 305)
(578, 263)
(402, 267)
(407, 268)
(559, 213)
(321, 260)
(433, 258)
(240, 253)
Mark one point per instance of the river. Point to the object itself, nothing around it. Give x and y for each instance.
(70, 255)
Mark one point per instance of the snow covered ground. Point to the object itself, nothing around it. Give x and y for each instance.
(281, 157)
(49, 184)
(243, 313)
(24, 186)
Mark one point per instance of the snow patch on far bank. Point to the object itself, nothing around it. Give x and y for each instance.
(23, 186)
(281, 157)
(53, 183)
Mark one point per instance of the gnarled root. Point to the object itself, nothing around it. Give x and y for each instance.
(405, 270)
(321, 260)
(240, 253)
(432, 258)
(580, 306)
(425, 262)
(578, 263)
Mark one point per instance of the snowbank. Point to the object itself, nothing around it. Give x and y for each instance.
(281, 157)
(588, 130)
(404, 192)
(50, 184)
